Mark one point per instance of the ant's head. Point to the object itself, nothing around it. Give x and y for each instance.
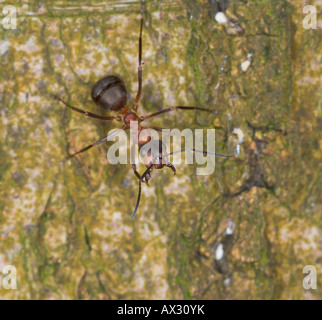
(154, 152)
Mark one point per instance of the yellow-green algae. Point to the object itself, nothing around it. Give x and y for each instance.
(67, 228)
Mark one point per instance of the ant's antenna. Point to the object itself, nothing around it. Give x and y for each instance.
(137, 202)
(139, 194)
(149, 169)
(203, 152)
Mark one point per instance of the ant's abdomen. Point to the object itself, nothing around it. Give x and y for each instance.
(110, 93)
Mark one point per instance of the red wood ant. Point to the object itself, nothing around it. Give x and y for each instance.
(110, 93)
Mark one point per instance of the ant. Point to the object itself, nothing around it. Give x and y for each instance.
(110, 94)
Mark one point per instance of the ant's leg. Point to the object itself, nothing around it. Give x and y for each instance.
(152, 115)
(138, 95)
(92, 145)
(86, 113)
(147, 172)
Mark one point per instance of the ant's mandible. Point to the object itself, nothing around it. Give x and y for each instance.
(110, 93)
